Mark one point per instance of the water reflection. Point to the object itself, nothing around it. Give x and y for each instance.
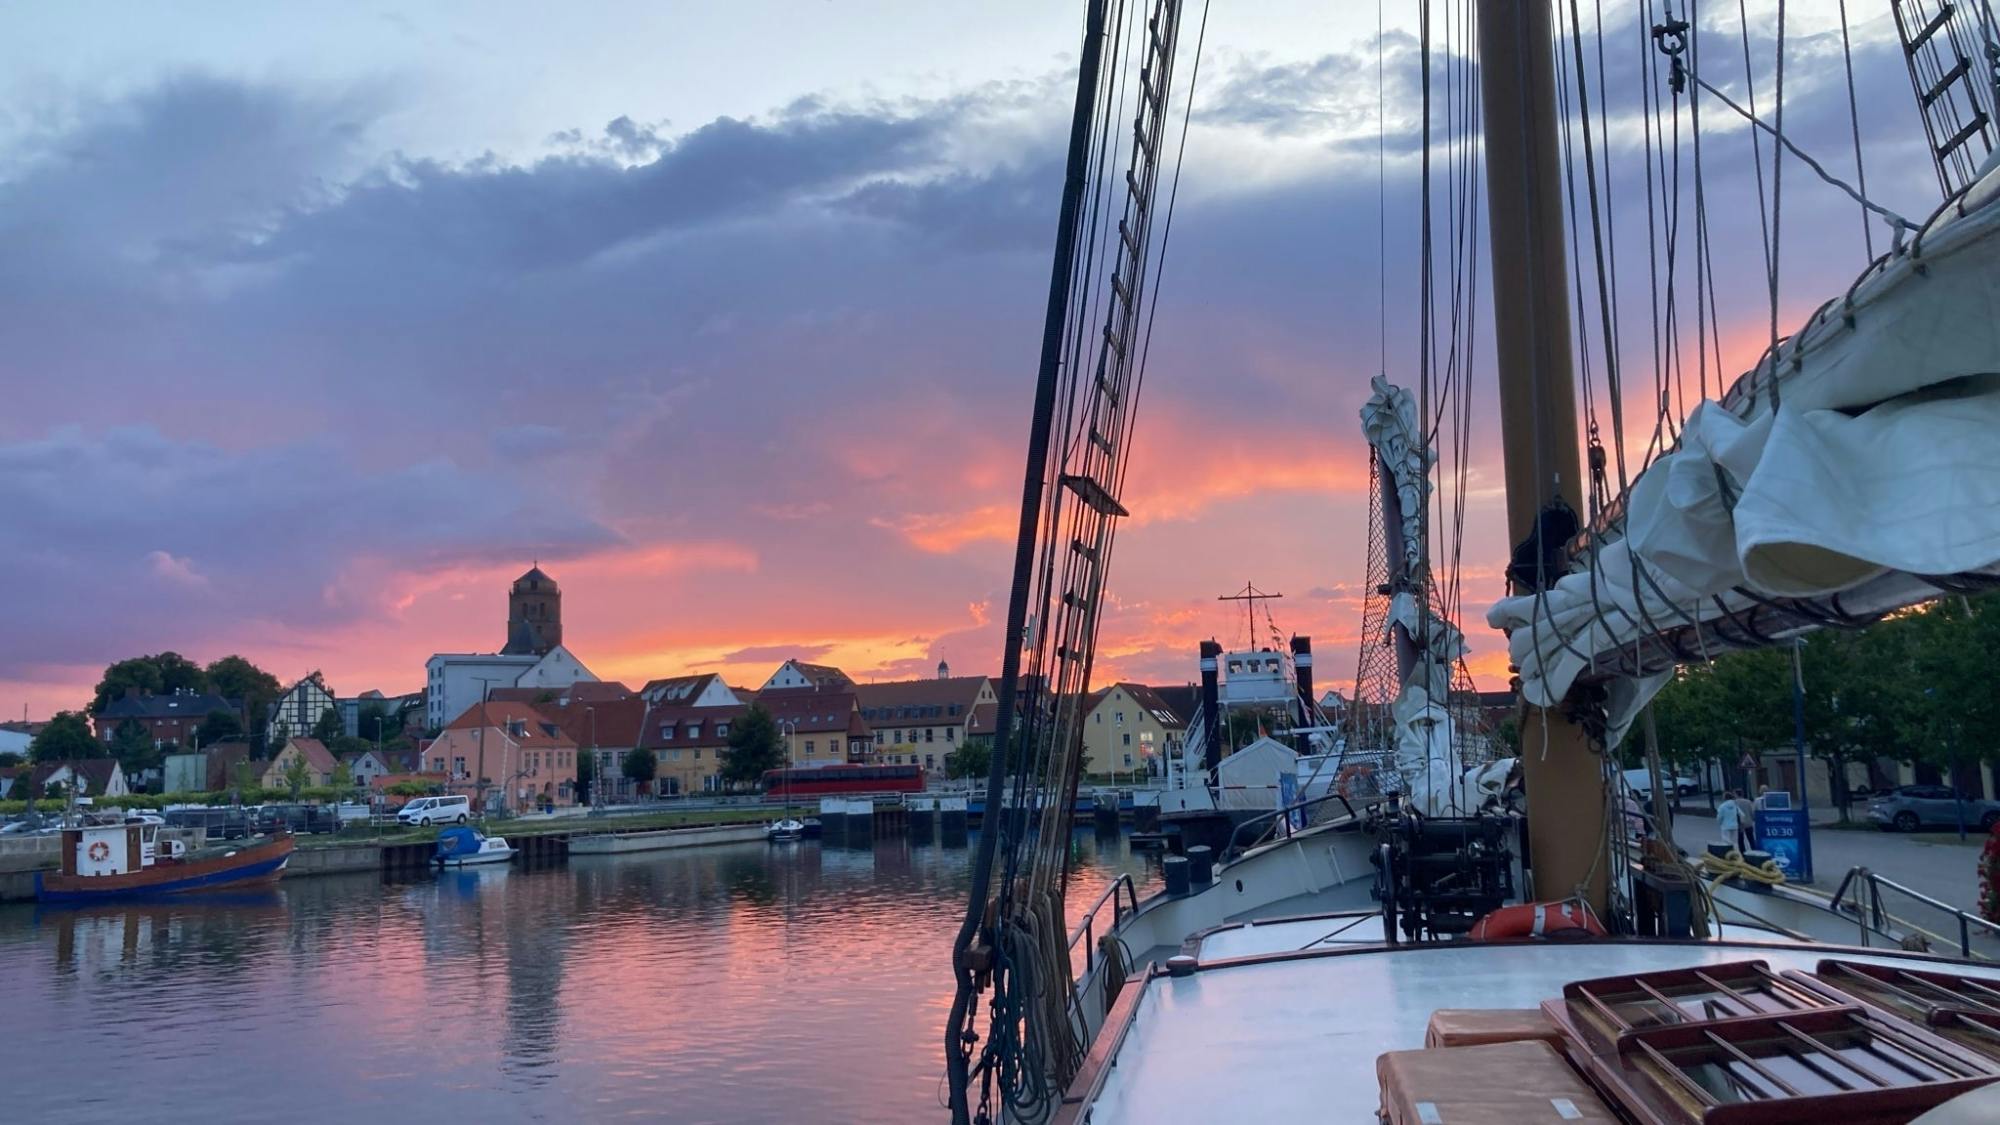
(741, 983)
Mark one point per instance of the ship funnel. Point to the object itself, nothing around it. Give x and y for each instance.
(1211, 706)
(1302, 667)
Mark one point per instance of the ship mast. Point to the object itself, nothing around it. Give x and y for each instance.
(1566, 803)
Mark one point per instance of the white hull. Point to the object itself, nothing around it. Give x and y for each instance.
(495, 856)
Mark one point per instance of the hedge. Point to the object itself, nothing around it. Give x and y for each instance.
(325, 794)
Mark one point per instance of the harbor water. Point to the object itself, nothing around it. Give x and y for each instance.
(741, 983)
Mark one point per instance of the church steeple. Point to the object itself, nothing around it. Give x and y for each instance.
(534, 614)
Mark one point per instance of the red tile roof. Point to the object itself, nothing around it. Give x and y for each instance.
(692, 726)
(815, 711)
(537, 729)
(920, 701)
(614, 724)
(318, 758)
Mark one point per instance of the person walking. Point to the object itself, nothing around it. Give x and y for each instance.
(1729, 821)
(1746, 822)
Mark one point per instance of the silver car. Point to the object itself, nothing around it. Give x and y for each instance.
(1915, 806)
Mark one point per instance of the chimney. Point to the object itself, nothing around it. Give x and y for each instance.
(1302, 665)
(1211, 706)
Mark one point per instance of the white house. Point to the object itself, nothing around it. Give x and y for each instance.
(91, 777)
(454, 681)
(559, 669)
(297, 711)
(704, 689)
(799, 674)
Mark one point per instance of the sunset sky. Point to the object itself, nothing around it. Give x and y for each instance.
(318, 325)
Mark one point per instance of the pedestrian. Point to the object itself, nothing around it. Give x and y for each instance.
(1746, 822)
(1729, 821)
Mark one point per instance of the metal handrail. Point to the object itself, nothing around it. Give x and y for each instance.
(1230, 850)
(1874, 915)
(1086, 929)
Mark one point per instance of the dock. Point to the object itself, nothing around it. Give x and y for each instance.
(619, 843)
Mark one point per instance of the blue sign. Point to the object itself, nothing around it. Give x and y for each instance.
(1288, 795)
(1785, 834)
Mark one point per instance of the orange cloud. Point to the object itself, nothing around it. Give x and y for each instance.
(944, 532)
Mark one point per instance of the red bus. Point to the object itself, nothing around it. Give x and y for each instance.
(827, 781)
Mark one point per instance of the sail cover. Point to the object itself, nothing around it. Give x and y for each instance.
(1879, 467)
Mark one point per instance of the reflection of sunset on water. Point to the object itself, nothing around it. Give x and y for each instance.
(740, 983)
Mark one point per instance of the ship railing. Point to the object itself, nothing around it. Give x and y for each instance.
(1123, 898)
(1860, 896)
(1272, 820)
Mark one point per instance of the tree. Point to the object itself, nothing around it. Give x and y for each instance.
(133, 746)
(163, 674)
(54, 791)
(219, 726)
(296, 775)
(233, 677)
(66, 737)
(9, 759)
(345, 747)
(243, 776)
(374, 723)
(329, 726)
(343, 776)
(753, 747)
(641, 766)
(973, 758)
(586, 769)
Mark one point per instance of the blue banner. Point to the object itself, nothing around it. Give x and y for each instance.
(1785, 834)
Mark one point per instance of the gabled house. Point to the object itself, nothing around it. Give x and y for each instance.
(297, 711)
(171, 719)
(687, 742)
(703, 689)
(799, 674)
(87, 777)
(513, 753)
(819, 727)
(1127, 727)
(370, 767)
(319, 761)
(918, 722)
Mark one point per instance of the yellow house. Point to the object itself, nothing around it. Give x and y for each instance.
(320, 764)
(1129, 729)
(919, 722)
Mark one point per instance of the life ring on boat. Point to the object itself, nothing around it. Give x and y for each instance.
(1343, 783)
(99, 851)
(1568, 920)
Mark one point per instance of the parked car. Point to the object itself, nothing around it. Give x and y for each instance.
(427, 811)
(1640, 782)
(1913, 806)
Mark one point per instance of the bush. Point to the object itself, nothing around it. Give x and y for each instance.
(1989, 877)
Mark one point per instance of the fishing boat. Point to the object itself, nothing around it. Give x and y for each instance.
(462, 846)
(127, 860)
(785, 831)
(1438, 955)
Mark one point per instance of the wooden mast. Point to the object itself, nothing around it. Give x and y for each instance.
(1566, 804)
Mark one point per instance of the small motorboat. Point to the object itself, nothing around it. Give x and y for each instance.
(460, 846)
(785, 831)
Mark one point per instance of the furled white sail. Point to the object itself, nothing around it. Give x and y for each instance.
(1880, 466)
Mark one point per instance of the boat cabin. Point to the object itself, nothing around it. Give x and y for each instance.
(110, 849)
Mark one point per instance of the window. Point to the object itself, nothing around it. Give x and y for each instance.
(458, 767)
(1127, 736)
(694, 730)
(809, 746)
(697, 755)
(1097, 718)
(673, 755)
(880, 735)
(929, 734)
(951, 734)
(721, 730)
(1120, 718)
(952, 710)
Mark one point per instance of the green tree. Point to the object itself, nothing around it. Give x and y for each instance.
(162, 674)
(133, 746)
(586, 769)
(329, 726)
(753, 747)
(66, 737)
(345, 747)
(296, 774)
(973, 758)
(54, 791)
(343, 776)
(374, 723)
(9, 759)
(233, 677)
(641, 766)
(1954, 647)
(243, 777)
(219, 726)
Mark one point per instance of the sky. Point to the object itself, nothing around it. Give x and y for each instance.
(318, 326)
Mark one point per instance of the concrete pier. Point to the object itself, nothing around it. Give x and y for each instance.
(1146, 811)
(922, 812)
(952, 821)
(861, 823)
(833, 820)
(1104, 813)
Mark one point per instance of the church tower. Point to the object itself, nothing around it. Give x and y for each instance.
(534, 615)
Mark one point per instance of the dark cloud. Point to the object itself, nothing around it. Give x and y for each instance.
(126, 536)
(777, 652)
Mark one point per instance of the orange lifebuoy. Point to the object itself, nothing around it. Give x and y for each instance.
(100, 851)
(1569, 919)
(1343, 784)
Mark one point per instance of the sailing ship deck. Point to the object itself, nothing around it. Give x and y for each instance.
(1296, 1035)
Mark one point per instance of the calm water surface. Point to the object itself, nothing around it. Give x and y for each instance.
(743, 983)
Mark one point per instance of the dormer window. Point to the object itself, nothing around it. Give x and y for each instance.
(666, 732)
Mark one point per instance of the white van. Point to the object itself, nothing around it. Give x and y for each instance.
(436, 810)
